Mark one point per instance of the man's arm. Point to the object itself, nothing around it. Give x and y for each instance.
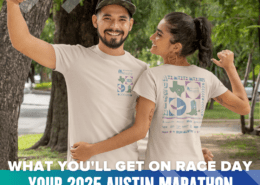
(144, 114)
(36, 49)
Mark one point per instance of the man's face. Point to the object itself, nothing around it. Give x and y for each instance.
(113, 25)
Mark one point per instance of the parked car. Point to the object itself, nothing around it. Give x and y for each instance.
(27, 87)
(37, 78)
(249, 89)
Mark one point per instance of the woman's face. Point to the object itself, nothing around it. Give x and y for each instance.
(161, 40)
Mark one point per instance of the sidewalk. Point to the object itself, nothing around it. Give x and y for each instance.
(224, 120)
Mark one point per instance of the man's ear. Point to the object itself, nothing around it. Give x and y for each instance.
(131, 24)
(94, 20)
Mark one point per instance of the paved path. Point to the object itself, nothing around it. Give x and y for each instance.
(33, 115)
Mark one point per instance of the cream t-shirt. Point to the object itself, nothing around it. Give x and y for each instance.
(180, 94)
(100, 99)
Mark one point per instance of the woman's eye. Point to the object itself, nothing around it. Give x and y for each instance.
(107, 18)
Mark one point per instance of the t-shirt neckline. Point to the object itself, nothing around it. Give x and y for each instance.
(179, 66)
(104, 55)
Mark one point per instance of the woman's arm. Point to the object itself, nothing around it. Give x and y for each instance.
(237, 100)
(144, 113)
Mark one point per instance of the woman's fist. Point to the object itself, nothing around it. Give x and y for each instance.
(226, 59)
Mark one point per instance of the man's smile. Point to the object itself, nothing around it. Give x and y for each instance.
(113, 33)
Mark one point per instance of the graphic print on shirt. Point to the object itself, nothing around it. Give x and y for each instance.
(125, 82)
(184, 101)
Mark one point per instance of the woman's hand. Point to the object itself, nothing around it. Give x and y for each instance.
(15, 1)
(82, 151)
(226, 59)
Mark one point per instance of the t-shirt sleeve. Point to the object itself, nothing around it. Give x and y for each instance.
(217, 88)
(65, 56)
(146, 86)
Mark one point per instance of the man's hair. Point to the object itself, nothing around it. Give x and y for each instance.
(98, 12)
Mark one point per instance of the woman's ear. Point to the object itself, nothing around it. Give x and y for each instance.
(177, 47)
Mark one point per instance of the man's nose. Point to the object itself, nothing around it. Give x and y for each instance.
(115, 24)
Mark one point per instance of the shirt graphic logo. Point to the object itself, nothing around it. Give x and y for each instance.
(184, 101)
(120, 88)
(125, 82)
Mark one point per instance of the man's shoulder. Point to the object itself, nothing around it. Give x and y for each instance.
(73, 47)
(139, 62)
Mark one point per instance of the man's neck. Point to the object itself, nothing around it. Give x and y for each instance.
(114, 52)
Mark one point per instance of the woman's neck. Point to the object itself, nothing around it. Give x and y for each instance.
(178, 61)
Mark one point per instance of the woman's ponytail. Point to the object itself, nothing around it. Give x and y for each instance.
(203, 39)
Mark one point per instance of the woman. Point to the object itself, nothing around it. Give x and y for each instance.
(173, 96)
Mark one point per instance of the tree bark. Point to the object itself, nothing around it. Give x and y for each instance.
(242, 117)
(253, 76)
(73, 28)
(14, 70)
(211, 106)
(255, 94)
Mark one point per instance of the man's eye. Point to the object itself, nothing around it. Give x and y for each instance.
(158, 34)
(122, 20)
(107, 18)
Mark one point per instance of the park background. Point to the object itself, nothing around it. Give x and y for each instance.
(229, 136)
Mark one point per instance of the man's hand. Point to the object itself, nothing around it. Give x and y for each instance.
(15, 1)
(208, 156)
(82, 151)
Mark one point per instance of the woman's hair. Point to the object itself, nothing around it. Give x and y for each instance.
(192, 33)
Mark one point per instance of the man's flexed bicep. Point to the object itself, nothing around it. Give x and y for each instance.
(40, 51)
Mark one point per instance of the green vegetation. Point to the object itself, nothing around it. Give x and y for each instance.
(41, 154)
(220, 112)
(42, 86)
(243, 147)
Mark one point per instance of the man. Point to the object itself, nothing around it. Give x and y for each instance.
(99, 79)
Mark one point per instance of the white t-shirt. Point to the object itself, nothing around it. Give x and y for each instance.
(100, 99)
(180, 94)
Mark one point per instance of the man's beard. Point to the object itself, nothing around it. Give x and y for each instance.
(112, 43)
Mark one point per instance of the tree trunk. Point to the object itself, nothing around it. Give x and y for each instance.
(253, 76)
(255, 94)
(242, 118)
(73, 28)
(31, 74)
(211, 106)
(14, 70)
(44, 75)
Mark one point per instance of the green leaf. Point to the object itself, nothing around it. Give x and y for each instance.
(253, 26)
(221, 2)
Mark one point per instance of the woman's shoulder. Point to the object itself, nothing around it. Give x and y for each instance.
(203, 70)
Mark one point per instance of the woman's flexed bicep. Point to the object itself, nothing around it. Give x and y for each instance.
(233, 103)
(237, 100)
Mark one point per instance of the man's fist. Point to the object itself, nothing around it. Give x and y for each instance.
(208, 156)
(15, 1)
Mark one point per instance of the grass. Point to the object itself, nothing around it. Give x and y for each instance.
(243, 147)
(42, 86)
(41, 154)
(220, 112)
